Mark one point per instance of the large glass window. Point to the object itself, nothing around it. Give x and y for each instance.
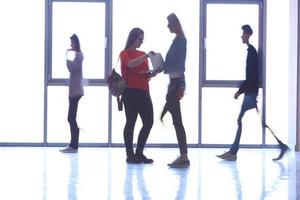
(87, 20)
(28, 50)
(225, 53)
(220, 112)
(158, 38)
(22, 71)
(224, 68)
(277, 95)
(92, 116)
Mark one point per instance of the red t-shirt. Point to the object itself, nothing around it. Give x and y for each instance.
(132, 75)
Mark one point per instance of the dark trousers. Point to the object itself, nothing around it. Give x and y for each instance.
(249, 102)
(72, 113)
(173, 106)
(137, 102)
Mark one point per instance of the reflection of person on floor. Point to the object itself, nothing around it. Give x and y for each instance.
(182, 186)
(235, 177)
(141, 185)
(72, 192)
(250, 89)
(276, 183)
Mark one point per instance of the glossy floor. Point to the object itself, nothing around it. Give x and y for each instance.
(34, 173)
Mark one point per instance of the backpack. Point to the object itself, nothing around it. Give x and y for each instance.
(116, 86)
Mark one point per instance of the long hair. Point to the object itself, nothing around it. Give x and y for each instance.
(174, 21)
(75, 41)
(133, 35)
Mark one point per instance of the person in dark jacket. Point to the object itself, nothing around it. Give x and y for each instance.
(250, 89)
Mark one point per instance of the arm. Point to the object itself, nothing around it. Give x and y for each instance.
(135, 62)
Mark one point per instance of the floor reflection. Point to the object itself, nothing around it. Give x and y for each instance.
(234, 177)
(182, 175)
(102, 173)
(135, 179)
(73, 177)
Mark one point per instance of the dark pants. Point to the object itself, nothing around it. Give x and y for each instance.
(137, 101)
(173, 106)
(249, 102)
(73, 105)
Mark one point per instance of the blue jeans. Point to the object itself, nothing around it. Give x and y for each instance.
(249, 102)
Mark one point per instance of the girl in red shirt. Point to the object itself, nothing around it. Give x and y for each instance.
(136, 97)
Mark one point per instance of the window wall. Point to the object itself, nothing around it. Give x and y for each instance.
(151, 16)
(34, 77)
(88, 20)
(22, 71)
(224, 62)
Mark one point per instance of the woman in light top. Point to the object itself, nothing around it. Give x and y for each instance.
(175, 68)
(74, 65)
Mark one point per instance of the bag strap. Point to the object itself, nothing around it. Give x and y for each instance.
(117, 62)
(120, 103)
(119, 99)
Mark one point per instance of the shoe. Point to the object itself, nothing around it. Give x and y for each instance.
(179, 163)
(68, 149)
(144, 159)
(133, 160)
(283, 149)
(228, 156)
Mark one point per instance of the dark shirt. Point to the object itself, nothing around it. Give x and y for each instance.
(250, 85)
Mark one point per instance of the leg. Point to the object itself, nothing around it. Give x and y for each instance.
(179, 128)
(131, 112)
(248, 103)
(72, 114)
(173, 106)
(146, 113)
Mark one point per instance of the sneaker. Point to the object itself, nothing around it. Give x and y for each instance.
(68, 149)
(144, 159)
(133, 160)
(228, 156)
(179, 163)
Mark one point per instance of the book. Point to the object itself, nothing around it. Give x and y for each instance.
(157, 61)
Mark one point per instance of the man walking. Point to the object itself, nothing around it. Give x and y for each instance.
(250, 89)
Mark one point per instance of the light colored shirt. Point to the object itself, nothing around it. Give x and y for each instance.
(75, 79)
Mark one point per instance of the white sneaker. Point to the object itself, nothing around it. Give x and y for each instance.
(68, 149)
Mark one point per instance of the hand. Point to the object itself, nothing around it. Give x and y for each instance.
(236, 95)
(180, 93)
(152, 74)
(150, 53)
